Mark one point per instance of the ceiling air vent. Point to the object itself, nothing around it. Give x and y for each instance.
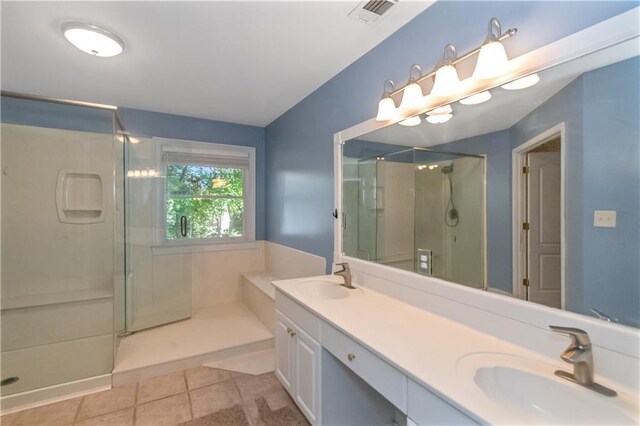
(371, 11)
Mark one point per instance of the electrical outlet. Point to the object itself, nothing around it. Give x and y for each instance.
(604, 218)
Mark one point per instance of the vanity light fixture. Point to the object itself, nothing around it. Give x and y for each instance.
(93, 40)
(522, 83)
(439, 118)
(440, 115)
(476, 99)
(442, 110)
(411, 121)
(446, 79)
(386, 107)
(492, 61)
(412, 97)
(492, 58)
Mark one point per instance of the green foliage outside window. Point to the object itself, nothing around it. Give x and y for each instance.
(210, 197)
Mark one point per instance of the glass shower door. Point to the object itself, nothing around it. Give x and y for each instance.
(158, 289)
(450, 215)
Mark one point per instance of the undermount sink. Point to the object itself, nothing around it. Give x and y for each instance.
(527, 390)
(326, 289)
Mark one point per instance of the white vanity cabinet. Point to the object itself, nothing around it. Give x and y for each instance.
(426, 408)
(298, 366)
(302, 337)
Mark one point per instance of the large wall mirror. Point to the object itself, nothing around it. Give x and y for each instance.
(534, 193)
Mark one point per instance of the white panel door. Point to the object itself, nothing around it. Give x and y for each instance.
(284, 352)
(307, 375)
(544, 228)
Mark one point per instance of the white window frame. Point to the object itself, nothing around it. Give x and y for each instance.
(163, 245)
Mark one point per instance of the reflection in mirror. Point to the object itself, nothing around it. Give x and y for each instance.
(532, 190)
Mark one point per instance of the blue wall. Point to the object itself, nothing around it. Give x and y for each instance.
(147, 124)
(57, 116)
(611, 178)
(299, 160)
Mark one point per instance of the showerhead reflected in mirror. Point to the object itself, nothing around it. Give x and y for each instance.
(533, 193)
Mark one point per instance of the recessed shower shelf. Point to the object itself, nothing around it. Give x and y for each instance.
(80, 197)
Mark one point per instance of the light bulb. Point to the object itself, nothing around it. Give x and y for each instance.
(492, 61)
(386, 107)
(442, 110)
(386, 110)
(411, 121)
(446, 82)
(439, 118)
(522, 83)
(130, 173)
(136, 173)
(144, 173)
(412, 98)
(478, 98)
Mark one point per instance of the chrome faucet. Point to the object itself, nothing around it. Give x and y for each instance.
(345, 273)
(579, 354)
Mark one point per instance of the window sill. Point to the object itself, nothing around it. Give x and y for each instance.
(203, 248)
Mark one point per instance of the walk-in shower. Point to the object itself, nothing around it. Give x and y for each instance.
(62, 242)
(416, 209)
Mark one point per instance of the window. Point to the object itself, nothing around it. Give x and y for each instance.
(207, 194)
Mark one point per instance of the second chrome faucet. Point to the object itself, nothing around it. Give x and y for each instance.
(579, 354)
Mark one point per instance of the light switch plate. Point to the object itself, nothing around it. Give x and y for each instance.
(604, 218)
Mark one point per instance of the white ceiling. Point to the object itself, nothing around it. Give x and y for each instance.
(237, 61)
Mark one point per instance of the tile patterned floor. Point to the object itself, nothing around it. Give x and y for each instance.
(198, 397)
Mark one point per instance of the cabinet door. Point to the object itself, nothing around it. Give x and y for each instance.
(307, 375)
(284, 352)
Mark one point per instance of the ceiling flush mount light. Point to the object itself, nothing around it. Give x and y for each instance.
(492, 58)
(412, 97)
(411, 121)
(522, 83)
(476, 99)
(93, 40)
(446, 79)
(386, 107)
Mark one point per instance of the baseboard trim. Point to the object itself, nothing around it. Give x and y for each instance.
(35, 398)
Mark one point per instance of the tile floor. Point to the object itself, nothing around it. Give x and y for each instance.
(200, 396)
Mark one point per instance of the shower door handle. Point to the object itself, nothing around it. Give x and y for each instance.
(183, 226)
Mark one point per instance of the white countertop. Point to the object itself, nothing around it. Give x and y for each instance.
(425, 346)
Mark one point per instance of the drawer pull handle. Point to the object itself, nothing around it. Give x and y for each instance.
(289, 331)
(293, 334)
(351, 357)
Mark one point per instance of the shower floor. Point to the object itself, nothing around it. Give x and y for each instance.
(210, 335)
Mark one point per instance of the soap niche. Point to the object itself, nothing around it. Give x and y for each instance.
(80, 197)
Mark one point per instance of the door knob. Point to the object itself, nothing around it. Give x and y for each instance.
(351, 357)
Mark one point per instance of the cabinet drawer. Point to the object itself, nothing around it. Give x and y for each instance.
(299, 315)
(426, 408)
(389, 382)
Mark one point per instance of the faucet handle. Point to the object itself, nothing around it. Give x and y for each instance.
(579, 338)
(345, 266)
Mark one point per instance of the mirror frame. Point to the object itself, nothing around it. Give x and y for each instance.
(621, 30)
